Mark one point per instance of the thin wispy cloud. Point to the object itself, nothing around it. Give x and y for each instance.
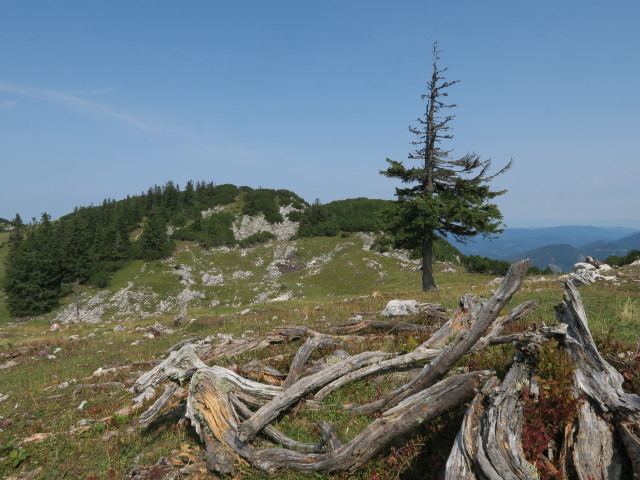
(73, 100)
(8, 105)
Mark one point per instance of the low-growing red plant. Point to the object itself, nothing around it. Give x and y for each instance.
(547, 414)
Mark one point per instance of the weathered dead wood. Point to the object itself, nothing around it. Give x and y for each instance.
(271, 432)
(303, 354)
(153, 411)
(329, 441)
(595, 376)
(536, 335)
(601, 385)
(591, 448)
(362, 326)
(417, 355)
(178, 366)
(460, 322)
(211, 413)
(302, 387)
(605, 435)
(459, 346)
(260, 370)
(181, 344)
(462, 459)
(233, 348)
(218, 458)
(489, 444)
(500, 323)
(440, 398)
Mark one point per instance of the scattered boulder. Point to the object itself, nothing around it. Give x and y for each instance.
(586, 273)
(583, 266)
(587, 277)
(241, 274)
(396, 308)
(372, 264)
(210, 280)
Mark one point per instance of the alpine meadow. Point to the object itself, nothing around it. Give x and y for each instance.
(230, 282)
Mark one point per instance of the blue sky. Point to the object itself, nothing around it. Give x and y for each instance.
(106, 98)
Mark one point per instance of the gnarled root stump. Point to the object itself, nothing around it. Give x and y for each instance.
(602, 442)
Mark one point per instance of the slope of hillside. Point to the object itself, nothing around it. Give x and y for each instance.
(236, 278)
(560, 258)
(514, 242)
(619, 247)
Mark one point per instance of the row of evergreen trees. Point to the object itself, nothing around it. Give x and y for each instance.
(46, 258)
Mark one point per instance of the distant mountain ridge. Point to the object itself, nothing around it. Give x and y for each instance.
(559, 247)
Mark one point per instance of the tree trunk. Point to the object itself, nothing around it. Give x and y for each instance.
(428, 282)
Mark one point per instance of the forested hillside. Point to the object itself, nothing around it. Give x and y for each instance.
(47, 259)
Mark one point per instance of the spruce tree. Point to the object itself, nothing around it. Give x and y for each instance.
(154, 241)
(33, 274)
(444, 196)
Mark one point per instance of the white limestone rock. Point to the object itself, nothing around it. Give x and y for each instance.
(250, 225)
(210, 280)
(397, 308)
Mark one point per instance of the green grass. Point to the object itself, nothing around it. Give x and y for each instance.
(4, 250)
(342, 287)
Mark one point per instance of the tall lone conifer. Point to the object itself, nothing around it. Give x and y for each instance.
(444, 196)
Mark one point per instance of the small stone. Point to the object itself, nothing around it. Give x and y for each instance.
(54, 327)
(109, 435)
(118, 328)
(82, 405)
(401, 307)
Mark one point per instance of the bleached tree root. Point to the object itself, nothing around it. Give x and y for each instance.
(212, 414)
(601, 443)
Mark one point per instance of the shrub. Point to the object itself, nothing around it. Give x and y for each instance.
(478, 264)
(256, 238)
(263, 201)
(617, 261)
(225, 194)
(546, 415)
